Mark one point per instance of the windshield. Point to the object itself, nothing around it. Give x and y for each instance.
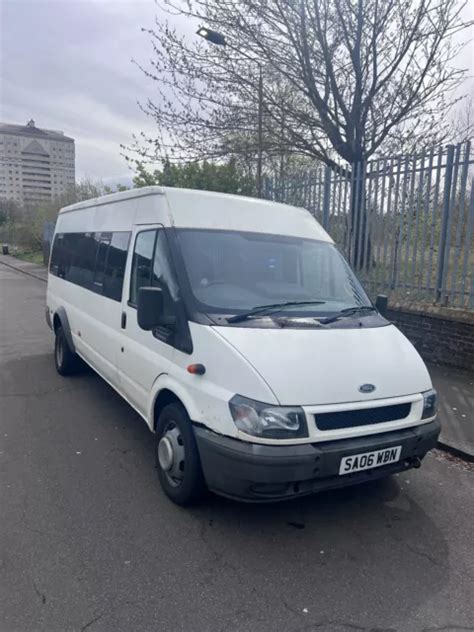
(231, 272)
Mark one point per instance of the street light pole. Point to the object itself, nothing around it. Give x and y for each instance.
(217, 38)
(260, 131)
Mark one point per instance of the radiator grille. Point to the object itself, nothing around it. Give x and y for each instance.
(361, 417)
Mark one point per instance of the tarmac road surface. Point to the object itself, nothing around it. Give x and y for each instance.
(89, 542)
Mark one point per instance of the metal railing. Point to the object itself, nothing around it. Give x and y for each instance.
(406, 223)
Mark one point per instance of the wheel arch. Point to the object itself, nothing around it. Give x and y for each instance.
(162, 399)
(60, 319)
(166, 391)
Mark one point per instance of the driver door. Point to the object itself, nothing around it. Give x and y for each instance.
(142, 356)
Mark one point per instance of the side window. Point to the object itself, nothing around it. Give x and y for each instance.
(71, 243)
(65, 255)
(115, 268)
(142, 263)
(86, 257)
(94, 261)
(103, 240)
(56, 266)
(75, 274)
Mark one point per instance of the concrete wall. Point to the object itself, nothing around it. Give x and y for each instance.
(440, 334)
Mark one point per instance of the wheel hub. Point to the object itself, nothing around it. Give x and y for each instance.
(171, 454)
(165, 454)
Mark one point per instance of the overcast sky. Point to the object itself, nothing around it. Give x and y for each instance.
(67, 64)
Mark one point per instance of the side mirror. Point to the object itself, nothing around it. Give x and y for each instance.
(381, 303)
(151, 309)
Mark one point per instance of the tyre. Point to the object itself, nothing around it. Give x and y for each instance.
(66, 361)
(177, 457)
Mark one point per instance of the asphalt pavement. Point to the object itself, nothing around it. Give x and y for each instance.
(89, 542)
(456, 407)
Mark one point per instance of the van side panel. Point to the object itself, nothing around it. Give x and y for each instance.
(94, 319)
(206, 397)
(94, 322)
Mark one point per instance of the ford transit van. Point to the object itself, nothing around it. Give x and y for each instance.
(237, 330)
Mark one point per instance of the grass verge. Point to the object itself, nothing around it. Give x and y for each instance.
(35, 256)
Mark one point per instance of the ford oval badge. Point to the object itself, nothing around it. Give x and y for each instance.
(367, 388)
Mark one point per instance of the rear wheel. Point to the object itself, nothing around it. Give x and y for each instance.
(66, 361)
(177, 456)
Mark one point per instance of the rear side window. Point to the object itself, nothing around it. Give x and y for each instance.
(94, 261)
(84, 253)
(58, 262)
(102, 255)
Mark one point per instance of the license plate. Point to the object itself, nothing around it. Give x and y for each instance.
(368, 460)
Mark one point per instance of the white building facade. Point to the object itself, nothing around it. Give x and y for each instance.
(36, 165)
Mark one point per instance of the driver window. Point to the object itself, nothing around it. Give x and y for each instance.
(151, 265)
(142, 263)
(162, 275)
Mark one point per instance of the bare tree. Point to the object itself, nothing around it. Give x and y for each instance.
(463, 119)
(342, 78)
(24, 223)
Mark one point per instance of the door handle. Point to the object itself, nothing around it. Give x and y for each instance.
(123, 322)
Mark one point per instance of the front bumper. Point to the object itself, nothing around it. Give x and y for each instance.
(258, 473)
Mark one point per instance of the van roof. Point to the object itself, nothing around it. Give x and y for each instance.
(114, 197)
(193, 208)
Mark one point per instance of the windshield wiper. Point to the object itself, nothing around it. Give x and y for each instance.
(349, 311)
(261, 310)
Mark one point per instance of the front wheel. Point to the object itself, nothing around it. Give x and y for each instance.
(177, 456)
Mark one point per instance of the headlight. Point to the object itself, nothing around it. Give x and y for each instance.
(267, 421)
(430, 400)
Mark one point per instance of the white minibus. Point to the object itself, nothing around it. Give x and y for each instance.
(237, 330)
